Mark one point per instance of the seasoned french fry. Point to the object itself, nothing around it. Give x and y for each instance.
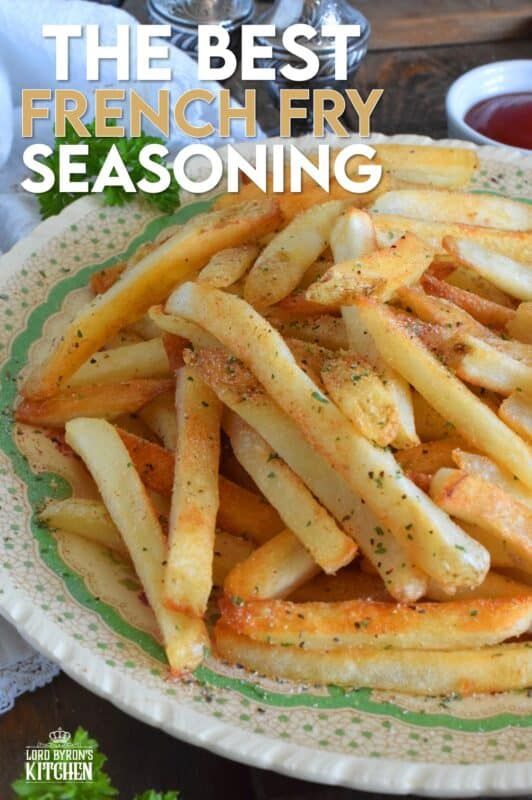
(142, 360)
(240, 391)
(463, 278)
(352, 235)
(449, 167)
(499, 557)
(181, 327)
(494, 585)
(484, 311)
(516, 412)
(514, 244)
(241, 512)
(146, 283)
(108, 400)
(229, 551)
(349, 584)
(195, 500)
(325, 330)
(362, 396)
(106, 457)
(275, 569)
(86, 518)
(378, 274)
(361, 342)
(284, 261)
(484, 467)
(174, 346)
(520, 327)
(310, 522)
(227, 266)
(510, 275)
(298, 305)
(159, 416)
(361, 623)
(445, 206)
(482, 503)
(441, 312)
(422, 672)
(447, 394)
(479, 363)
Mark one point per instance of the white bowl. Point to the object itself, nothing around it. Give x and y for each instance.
(501, 77)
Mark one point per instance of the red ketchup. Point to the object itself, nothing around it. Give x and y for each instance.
(506, 118)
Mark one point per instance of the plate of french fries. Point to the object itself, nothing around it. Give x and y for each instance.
(266, 468)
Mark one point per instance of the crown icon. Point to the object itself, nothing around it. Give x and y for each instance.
(59, 736)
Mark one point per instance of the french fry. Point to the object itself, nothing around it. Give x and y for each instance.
(520, 327)
(484, 311)
(241, 512)
(317, 269)
(275, 569)
(499, 557)
(349, 584)
(471, 418)
(298, 305)
(429, 424)
(301, 513)
(145, 327)
(484, 467)
(445, 167)
(229, 551)
(516, 412)
(512, 276)
(460, 624)
(514, 244)
(429, 457)
(159, 416)
(446, 206)
(494, 585)
(479, 363)
(108, 400)
(482, 503)
(463, 278)
(421, 672)
(174, 346)
(325, 330)
(352, 235)
(240, 391)
(227, 266)
(130, 362)
(177, 326)
(86, 518)
(106, 457)
(378, 274)
(361, 342)
(148, 282)
(362, 396)
(284, 261)
(440, 311)
(195, 500)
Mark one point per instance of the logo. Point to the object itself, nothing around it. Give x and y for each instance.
(56, 761)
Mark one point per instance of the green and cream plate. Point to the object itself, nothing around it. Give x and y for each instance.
(83, 608)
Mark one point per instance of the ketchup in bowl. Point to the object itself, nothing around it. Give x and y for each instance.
(506, 118)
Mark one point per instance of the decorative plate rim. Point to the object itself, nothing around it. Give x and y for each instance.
(385, 775)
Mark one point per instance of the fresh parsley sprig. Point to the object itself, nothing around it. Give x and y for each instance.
(98, 789)
(53, 201)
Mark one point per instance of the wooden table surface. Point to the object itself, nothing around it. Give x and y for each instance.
(415, 82)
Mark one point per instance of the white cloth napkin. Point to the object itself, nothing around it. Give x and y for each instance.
(27, 60)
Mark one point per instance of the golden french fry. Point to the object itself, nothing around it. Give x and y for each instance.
(429, 424)
(514, 244)
(297, 304)
(240, 391)
(460, 624)
(195, 500)
(429, 457)
(463, 278)
(349, 584)
(446, 206)
(512, 276)
(108, 400)
(170, 323)
(284, 261)
(450, 167)
(421, 672)
(362, 396)
(275, 569)
(325, 330)
(361, 342)
(484, 467)
(227, 266)
(107, 459)
(484, 311)
(440, 311)
(478, 362)
(87, 518)
(378, 274)
(485, 504)
(174, 346)
(159, 416)
(516, 412)
(352, 235)
(520, 327)
(148, 282)
(404, 352)
(130, 362)
(302, 514)
(229, 551)
(494, 585)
